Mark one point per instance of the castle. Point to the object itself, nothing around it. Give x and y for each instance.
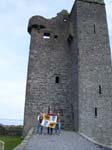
(70, 70)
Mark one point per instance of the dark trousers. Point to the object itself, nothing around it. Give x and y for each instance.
(50, 130)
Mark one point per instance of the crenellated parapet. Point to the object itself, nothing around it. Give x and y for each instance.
(39, 22)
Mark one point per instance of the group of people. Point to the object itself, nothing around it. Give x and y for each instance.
(49, 130)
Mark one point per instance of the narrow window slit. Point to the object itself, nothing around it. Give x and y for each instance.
(94, 28)
(70, 38)
(57, 79)
(96, 112)
(100, 89)
(72, 108)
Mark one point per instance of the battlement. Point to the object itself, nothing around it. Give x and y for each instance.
(39, 22)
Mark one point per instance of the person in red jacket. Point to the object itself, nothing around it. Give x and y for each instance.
(50, 130)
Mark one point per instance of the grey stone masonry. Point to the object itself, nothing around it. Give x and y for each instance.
(70, 70)
(94, 72)
(49, 63)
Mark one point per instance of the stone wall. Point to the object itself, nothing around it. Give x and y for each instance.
(94, 72)
(70, 70)
(49, 62)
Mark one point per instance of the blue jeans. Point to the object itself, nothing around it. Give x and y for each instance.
(58, 128)
(39, 129)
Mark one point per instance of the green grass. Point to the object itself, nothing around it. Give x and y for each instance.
(11, 141)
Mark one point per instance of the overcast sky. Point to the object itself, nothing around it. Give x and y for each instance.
(14, 47)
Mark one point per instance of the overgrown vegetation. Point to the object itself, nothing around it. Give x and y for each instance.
(11, 135)
(11, 130)
(11, 141)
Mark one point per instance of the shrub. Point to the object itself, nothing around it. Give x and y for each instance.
(11, 130)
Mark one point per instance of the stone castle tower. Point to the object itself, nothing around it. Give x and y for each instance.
(70, 70)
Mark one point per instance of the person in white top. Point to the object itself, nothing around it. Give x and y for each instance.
(39, 126)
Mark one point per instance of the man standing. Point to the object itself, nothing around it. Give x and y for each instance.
(50, 130)
(58, 125)
(39, 127)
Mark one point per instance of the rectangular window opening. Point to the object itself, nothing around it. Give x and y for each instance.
(46, 36)
(65, 20)
(57, 80)
(96, 112)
